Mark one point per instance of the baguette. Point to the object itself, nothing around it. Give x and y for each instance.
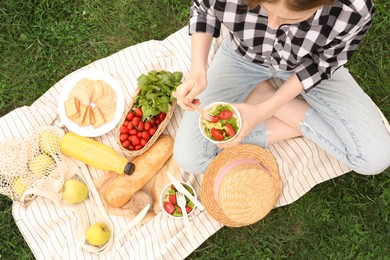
(123, 187)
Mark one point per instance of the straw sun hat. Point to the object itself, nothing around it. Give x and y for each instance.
(241, 185)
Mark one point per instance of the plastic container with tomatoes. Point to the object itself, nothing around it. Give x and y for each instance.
(168, 201)
(225, 124)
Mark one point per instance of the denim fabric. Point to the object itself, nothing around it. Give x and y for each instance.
(344, 122)
(342, 119)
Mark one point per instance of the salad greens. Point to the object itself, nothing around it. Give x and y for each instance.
(155, 94)
(221, 123)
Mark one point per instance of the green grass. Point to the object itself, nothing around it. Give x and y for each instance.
(42, 41)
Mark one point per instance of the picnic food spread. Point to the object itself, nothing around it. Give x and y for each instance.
(91, 102)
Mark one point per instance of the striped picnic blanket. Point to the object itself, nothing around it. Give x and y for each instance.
(49, 230)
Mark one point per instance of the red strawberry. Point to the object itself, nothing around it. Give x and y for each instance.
(172, 199)
(188, 209)
(169, 208)
(138, 111)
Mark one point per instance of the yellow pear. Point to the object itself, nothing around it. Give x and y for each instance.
(19, 186)
(98, 234)
(41, 165)
(49, 142)
(74, 191)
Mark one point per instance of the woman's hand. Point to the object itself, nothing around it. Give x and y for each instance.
(251, 116)
(188, 90)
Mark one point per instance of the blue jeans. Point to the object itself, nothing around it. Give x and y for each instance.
(342, 119)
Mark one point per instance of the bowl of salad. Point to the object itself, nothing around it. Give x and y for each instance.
(225, 124)
(168, 200)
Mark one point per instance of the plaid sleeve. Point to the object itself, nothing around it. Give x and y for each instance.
(202, 18)
(321, 64)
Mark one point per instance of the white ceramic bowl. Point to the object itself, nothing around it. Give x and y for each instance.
(165, 191)
(236, 114)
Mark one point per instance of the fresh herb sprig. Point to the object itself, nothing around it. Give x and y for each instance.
(155, 94)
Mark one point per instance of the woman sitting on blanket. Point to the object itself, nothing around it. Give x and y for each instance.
(304, 42)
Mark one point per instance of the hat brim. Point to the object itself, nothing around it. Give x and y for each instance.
(271, 176)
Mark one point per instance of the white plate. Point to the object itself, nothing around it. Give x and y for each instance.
(90, 131)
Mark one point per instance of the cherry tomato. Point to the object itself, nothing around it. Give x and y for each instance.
(131, 147)
(139, 134)
(123, 129)
(152, 130)
(146, 135)
(161, 116)
(147, 126)
(143, 142)
(123, 137)
(130, 125)
(153, 120)
(138, 147)
(141, 126)
(126, 123)
(217, 134)
(126, 144)
(135, 140)
(133, 132)
(136, 120)
(214, 119)
(225, 114)
(138, 111)
(230, 130)
(130, 116)
(158, 121)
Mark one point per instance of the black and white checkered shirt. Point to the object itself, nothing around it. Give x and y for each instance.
(313, 49)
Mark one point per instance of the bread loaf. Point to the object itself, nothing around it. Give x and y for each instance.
(122, 188)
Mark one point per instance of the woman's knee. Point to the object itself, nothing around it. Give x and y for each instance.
(373, 163)
(191, 157)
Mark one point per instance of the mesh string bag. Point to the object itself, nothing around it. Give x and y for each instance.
(34, 166)
(32, 163)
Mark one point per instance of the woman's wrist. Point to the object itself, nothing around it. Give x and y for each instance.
(288, 91)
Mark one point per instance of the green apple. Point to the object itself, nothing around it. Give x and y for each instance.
(19, 186)
(49, 142)
(74, 191)
(98, 234)
(41, 165)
